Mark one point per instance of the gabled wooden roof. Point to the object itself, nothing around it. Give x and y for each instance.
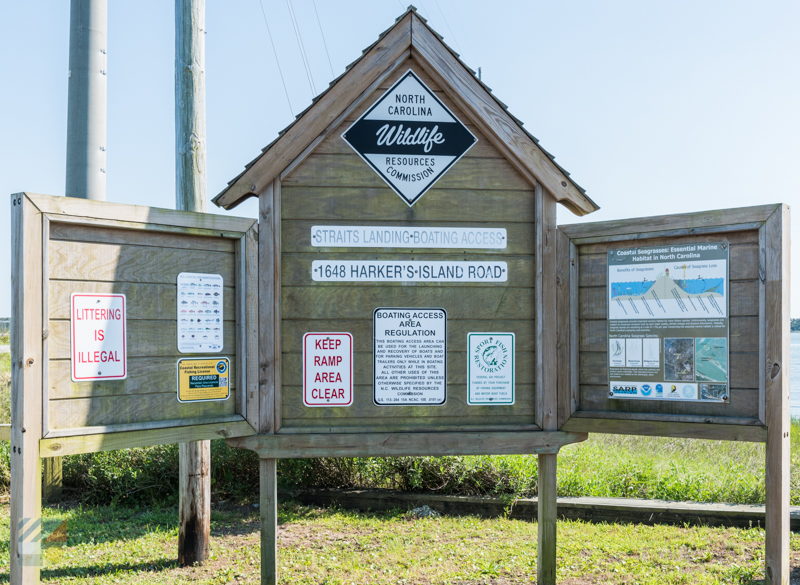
(410, 36)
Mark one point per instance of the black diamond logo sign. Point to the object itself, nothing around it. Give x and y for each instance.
(409, 137)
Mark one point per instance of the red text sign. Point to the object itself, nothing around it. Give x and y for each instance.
(99, 349)
(327, 369)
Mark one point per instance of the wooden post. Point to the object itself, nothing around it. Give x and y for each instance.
(269, 520)
(52, 479)
(547, 370)
(190, 192)
(547, 511)
(195, 502)
(190, 105)
(778, 362)
(26, 394)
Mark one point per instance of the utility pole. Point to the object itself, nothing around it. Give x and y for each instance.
(190, 195)
(87, 112)
(86, 100)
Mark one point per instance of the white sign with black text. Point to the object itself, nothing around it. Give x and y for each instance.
(408, 271)
(409, 137)
(490, 368)
(410, 356)
(199, 306)
(385, 236)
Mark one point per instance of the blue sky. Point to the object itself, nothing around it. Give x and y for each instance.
(654, 107)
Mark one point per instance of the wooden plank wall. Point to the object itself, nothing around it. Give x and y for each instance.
(333, 186)
(593, 399)
(144, 266)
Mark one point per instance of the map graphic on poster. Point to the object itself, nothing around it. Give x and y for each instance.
(668, 322)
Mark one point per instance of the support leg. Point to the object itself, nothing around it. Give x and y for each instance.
(776, 345)
(194, 468)
(547, 519)
(269, 520)
(26, 510)
(777, 508)
(53, 473)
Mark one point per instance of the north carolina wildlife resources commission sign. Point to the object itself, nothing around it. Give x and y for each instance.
(409, 137)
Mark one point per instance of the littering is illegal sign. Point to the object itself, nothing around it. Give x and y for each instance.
(97, 337)
(327, 369)
(409, 137)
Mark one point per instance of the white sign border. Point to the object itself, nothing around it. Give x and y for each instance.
(513, 336)
(502, 234)
(352, 369)
(72, 347)
(385, 180)
(444, 399)
(334, 267)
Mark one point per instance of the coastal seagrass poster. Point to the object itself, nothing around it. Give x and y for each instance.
(668, 322)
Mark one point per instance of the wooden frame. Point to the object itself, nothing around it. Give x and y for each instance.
(528, 177)
(36, 335)
(409, 35)
(44, 214)
(578, 240)
(768, 419)
(273, 441)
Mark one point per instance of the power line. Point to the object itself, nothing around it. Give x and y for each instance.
(275, 53)
(322, 34)
(302, 49)
(456, 44)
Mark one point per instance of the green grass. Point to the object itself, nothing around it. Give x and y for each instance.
(5, 386)
(132, 546)
(604, 465)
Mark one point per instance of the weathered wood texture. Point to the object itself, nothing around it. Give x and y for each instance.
(269, 311)
(99, 247)
(85, 261)
(268, 511)
(27, 353)
(379, 65)
(293, 446)
(52, 486)
(591, 403)
(777, 365)
(547, 512)
(331, 185)
(529, 158)
(194, 475)
(372, 66)
(167, 432)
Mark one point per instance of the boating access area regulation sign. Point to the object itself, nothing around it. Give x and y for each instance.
(409, 137)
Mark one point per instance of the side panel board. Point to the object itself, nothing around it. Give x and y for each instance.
(86, 248)
(591, 406)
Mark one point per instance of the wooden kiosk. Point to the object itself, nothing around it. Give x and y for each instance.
(405, 291)
(383, 242)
